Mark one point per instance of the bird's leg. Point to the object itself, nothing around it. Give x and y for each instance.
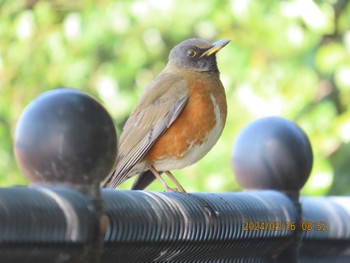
(159, 177)
(176, 182)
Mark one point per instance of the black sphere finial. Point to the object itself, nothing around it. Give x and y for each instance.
(272, 153)
(65, 137)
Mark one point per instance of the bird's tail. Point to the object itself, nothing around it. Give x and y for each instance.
(143, 180)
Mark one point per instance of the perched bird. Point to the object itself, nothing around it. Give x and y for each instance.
(178, 119)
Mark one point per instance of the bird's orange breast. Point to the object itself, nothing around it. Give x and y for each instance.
(195, 122)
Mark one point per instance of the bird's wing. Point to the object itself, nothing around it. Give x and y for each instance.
(157, 109)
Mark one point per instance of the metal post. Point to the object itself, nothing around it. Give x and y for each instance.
(65, 137)
(274, 153)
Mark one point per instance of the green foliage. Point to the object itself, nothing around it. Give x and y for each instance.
(287, 58)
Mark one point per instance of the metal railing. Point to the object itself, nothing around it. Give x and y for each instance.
(65, 217)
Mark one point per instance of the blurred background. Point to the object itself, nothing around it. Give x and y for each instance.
(287, 58)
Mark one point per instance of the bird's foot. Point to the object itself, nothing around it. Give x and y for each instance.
(175, 190)
(179, 188)
(171, 190)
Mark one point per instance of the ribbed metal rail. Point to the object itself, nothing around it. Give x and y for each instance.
(56, 224)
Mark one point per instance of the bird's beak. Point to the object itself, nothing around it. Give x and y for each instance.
(215, 47)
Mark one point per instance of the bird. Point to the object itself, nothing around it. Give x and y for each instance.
(177, 120)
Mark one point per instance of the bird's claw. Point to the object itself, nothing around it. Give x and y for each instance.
(175, 190)
(172, 190)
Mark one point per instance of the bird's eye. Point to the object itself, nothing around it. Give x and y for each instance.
(191, 53)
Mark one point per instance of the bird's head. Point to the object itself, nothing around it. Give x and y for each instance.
(196, 54)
